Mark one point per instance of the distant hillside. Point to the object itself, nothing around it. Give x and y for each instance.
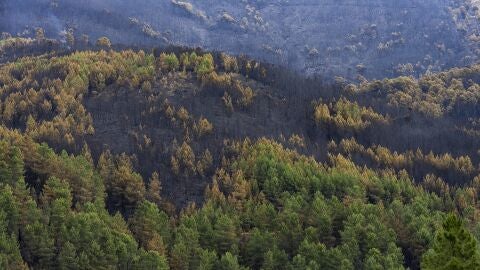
(372, 38)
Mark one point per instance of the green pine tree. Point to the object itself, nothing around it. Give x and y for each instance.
(454, 248)
(229, 262)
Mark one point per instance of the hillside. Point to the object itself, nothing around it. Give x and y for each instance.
(371, 38)
(184, 159)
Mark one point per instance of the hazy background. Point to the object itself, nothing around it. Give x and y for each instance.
(373, 38)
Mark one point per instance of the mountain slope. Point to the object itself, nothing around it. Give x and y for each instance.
(372, 38)
(183, 159)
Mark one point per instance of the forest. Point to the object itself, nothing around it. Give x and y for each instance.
(178, 158)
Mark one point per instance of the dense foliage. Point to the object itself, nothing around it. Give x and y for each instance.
(72, 197)
(268, 207)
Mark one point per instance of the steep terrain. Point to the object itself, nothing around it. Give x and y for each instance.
(143, 154)
(183, 159)
(372, 38)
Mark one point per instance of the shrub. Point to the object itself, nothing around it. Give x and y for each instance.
(104, 42)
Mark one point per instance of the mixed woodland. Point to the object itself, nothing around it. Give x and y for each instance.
(176, 158)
